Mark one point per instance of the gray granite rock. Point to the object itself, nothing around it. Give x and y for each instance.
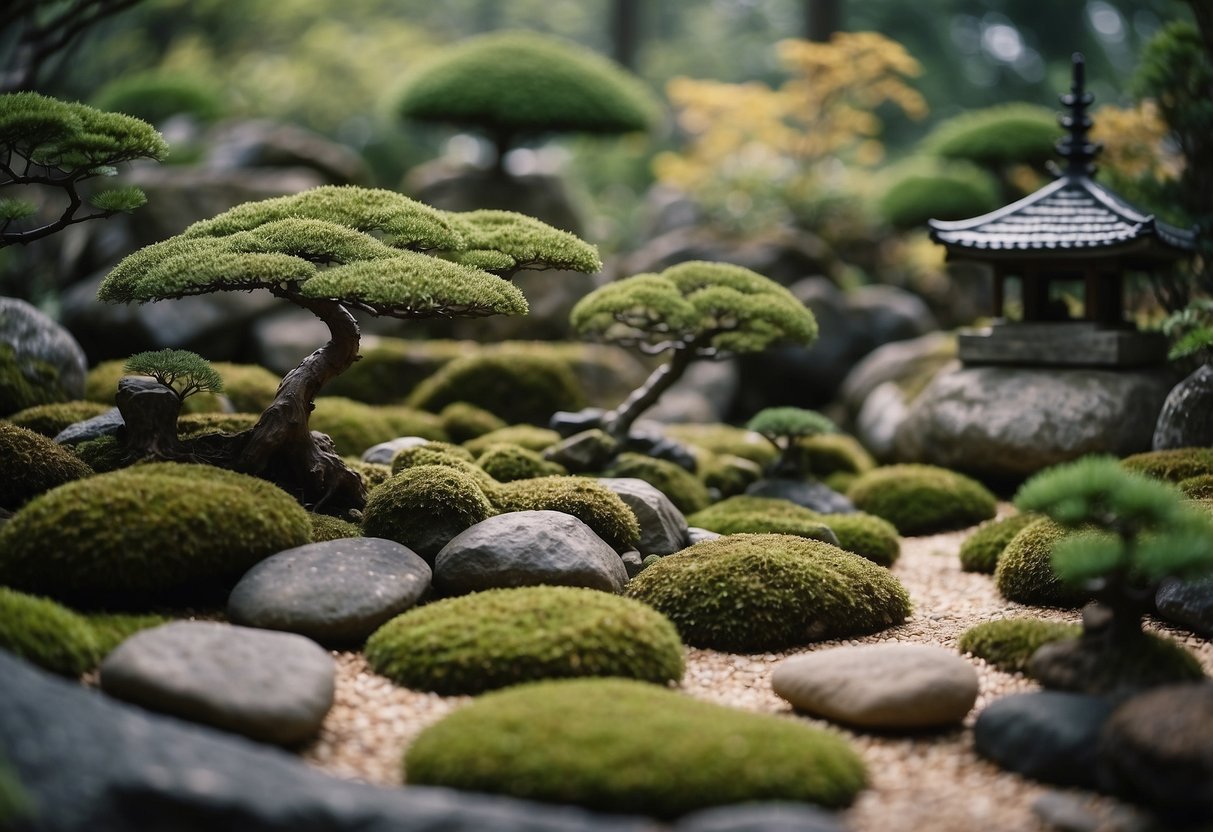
(528, 548)
(633, 563)
(698, 535)
(811, 494)
(385, 452)
(274, 687)
(896, 362)
(49, 360)
(884, 686)
(1048, 735)
(761, 817)
(336, 592)
(105, 424)
(1186, 417)
(1187, 603)
(587, 450)
(663, 528)
(92, 764)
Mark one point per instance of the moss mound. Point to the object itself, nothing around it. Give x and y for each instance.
(191, 425)
(355, 426)
(724, 439)
(145, 532)
(1025, 569)
(34, 464)
(47, 634)
(594, 504)
(1174, 465)
(727, 474)
(102, 454)
(463, 421)
(981, 550)
(922, 499)
(442, 453)
(862, 534)
(326, 527)
(502, 637)
(112, 628)
(1198, 487)
(758, 592)
(506, 462)
(528, 436)
(372, 473)
(622, 746)
(424, 507)
(249, 387)
(50, 419)
(515, 388)
(832, 453)
(684, 489)
(1008, 643)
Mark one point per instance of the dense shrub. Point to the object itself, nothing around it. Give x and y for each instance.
(50, 419)
(922, 499)
(502, 637)
(1025, 569)
(980, 550)
(33, 464)
(515, 388)
(355, 426)
(934, 189)
(156, 96)
(1008, 643)
(528, 436)
(506, 462)
(424, 507)
(685, 490)
(618, 745)
(463, 421)
(754, 592)
(592, 503)
(998, 136)
(1173, 465)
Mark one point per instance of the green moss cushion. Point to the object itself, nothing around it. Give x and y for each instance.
(1008, 643)
(441, 453)
(830, 453)
(756, 592)
(50, 419)
(502, 637)
(1173, 465)
(47, 634)
(463, 421)
(192, 425)
(326, 527)
(922, 499)
(143, 532)
(528, 436)
(506, 462)
(1197, 488)
(684, 489)
(618, 745)
(33, 464)
(592, 503)
(355, 426)
(981, 549)
(424, 507)
(249, 387)
(516, 388)
(1025, 569)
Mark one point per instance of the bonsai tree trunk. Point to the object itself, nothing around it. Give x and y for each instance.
(150, 410)
(619, 421)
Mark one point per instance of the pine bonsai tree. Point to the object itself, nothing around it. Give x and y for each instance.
(182, 371)
(782, 427)
(513, 84)
(51, 145)
(691, 311)
(331, 250)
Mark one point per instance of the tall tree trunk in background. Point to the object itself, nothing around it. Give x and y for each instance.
(822, 18)
(625, 31)
(1202, 10)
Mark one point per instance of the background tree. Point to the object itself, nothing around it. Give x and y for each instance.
(782, 427)
(691, 311)
(331, 250)
(40, 34)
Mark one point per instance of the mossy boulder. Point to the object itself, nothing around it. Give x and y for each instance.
(506, 462)
(424, 507)
(1025, 569)
(531, 437)
(391, 367)
(758, 592)
(981, 550)
(1009, 643)
(326, 527)
(354, 426)
(592, 503)
(1172, 465)
(728, 475)
(463, 421)
(923, 499)
(33, 464)
(515, 388)
(618, 745)
(50, 419)
(47, 634)
(443, 453)
(147, 532)
(502, 637)
(685, 490)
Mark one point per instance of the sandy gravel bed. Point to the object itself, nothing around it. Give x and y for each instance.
(933, 782)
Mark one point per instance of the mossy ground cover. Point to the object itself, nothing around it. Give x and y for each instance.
(981, 549)
(922, 499)
(1025, 568)
(33, 465)
(683, 488)
(50, 419)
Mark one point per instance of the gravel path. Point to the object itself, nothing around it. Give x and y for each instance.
(933, 782)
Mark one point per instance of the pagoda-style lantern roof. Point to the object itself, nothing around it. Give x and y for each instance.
(1071, 230)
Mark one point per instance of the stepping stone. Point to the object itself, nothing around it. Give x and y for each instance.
(1049, 735)
(884, 686)
(337, 592)
(663, 528)
(273, 687)
(528, 548)
(1188, 604)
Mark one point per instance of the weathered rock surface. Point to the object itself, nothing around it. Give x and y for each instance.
(808, 493)
(274, 687)
(336, 592)
(385, 452)
(1187, 603)
(885, 686)
(663, 528)
(528, 548)
(1186, 417)
(107, 424)
(48, 362)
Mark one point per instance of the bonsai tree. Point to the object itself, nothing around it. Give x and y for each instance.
(331, 250)
(513, 84)
(691, 311)
(57, 146)
(182, 371)
(782, 427)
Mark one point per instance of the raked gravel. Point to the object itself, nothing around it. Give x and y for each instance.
(926, 782)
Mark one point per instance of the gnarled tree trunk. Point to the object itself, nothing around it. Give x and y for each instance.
(619, 421)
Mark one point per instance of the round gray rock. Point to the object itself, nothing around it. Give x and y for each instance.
(385, 452)
(336, 592)
(528, 548)
(1187, 603)
(273, 687)
(886, 686)
(663, 528)
(49, 359)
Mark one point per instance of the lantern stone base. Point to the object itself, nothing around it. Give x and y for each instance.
(1061, 344)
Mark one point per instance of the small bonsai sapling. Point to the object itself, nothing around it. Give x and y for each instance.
(1136, 532)
(149, 415)
(783, 427)
(49, 146)
(692, 311)
(331, 250)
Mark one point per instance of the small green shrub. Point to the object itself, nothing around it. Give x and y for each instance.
(528, 436)
(922, 499)
(998, 136)
(515, 388)
(981, 549)
(424, 507)
(355, 426)
(502, 637)
(101, 385)
(592, 503)
(33, 464)
(1008, 643)
(1025, 569)
(617, 745)
(930, 188)
(506, 463)
(463, 421)
(185, 373)
(47, 634)
(326, 527)
(50, 419)
(685, 490)
(1173, 465)
(758, 592)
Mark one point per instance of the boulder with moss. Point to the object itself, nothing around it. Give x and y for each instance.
(424, 507)
(1171, 465)
(1025, 569)
(1008, 643)
(724, 439)
(147, 533)
(762, 592)
(592, 503)
(249, 387)
(443, 453)
(40, 361)
(506, 462)
(923, 499)
(624, 746)
(514, 388)
(502, 637)
(200, 424)
(33, 465)
(684, 489)
(51, 419)
(981, 550)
